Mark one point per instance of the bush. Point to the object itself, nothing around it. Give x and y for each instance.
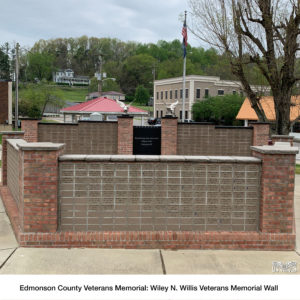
(141, 95)
(221, 110)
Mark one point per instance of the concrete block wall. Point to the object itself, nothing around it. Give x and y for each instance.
(175, 194)
(206, 139)
(86, 137)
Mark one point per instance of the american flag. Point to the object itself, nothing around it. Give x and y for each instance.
(184, 41)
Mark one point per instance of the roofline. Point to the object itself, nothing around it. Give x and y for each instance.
(103, 112)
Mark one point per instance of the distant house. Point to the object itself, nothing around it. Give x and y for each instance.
(247, 113)
(111, 95)
(67, 77)
(108, 108)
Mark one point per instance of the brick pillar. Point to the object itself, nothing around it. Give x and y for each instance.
(283, 138)
(125, 135)
(277, 187)
(169, 135)
(5, 136)
(30, 127)
(261, 133)
(40, 186)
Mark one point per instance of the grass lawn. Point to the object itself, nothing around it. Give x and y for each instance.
(297, 171)
(72, 94)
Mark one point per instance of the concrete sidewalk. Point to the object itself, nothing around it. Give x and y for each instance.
(14, 260)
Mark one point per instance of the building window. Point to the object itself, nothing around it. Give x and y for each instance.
(233, 92)
(180, 94)
(171, 94)
(198, 93)
(176, 94)
(220, 92)
(186, 93)
(206, 93)
(166, 94)
(161, 95)
(186, 114)
(180, 115)
(157, 95)
(157, 114)
(161, 113)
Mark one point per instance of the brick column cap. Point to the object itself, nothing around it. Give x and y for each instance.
(30, 119)
(125, 117)
(169, 117)
(259, 123)
(278, 148)
(282, 136)
(11, 132)
(40, 146)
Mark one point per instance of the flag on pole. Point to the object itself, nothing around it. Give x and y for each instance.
(184, 41)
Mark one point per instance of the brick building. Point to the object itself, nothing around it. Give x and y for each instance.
(5, 102)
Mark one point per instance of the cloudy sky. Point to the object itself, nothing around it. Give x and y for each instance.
(27, 21)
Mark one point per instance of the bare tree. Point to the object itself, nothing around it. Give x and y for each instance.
(260, 32)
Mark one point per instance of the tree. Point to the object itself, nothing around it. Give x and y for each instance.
(260, 32)
(4, 64)
(219, 109)
(40, 65)
(137, 70)
(141, 95)
(35, 97)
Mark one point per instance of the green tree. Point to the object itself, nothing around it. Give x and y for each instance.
(40, 66)
(141, 95)
(137, 70)
(4, 64)
(220, 109)
(264, 33)
(35, 97)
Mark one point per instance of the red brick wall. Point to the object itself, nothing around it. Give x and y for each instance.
(40, 190)
(261, 134)
(169, 136)
(283, 139)
(125, 135)
(277, 192)
(30, 128)
(3, 101)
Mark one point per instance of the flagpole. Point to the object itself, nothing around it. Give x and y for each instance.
(183, 77)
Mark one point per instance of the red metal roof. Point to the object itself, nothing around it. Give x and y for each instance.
(101, 104)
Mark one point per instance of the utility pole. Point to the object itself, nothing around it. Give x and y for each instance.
(100, 76)
(184, 33)
(17, 87)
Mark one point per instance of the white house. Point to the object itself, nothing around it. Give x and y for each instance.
(67, 77)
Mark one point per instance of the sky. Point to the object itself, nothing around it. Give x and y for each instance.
(146, 21)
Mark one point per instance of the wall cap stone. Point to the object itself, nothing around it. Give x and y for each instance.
(162, 158)
(12, 132)
(40, 146)
(277, 148)
(290, 137)
(14, 143)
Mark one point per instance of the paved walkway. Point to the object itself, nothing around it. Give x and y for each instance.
(14, 260)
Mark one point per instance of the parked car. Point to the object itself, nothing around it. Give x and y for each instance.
(154, 121)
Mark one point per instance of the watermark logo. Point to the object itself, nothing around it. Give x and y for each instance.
(281, 267)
